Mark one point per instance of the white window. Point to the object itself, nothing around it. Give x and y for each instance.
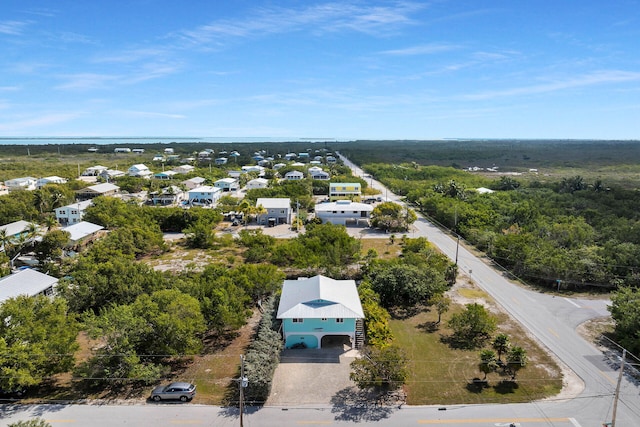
(339, 320)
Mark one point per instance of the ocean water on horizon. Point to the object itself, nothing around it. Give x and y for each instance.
(130, 141)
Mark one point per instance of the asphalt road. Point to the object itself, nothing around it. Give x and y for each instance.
(551, 319)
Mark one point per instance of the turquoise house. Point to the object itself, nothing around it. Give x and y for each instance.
(319, 308)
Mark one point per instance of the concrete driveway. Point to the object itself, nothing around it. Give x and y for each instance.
(310, 376)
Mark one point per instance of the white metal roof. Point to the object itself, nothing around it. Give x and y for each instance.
(82, 229)
(340, 205)
(25, 282)
(274, 202)
(319, 297)
(103, 188)
(81, 206)
(15, 228)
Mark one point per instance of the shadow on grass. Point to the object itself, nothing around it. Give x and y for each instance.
(429, 327)
(506, 387)
(354, 405)
(477, 385)
(461, 343)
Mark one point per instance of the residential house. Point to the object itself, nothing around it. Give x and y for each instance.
(105, 189)
(26, 183)
(343, 212)
(168, 151)
(16, 230)
(293, 175)
(318, 309)
(111, 174)
(344, 190)
(82, 233)
(73, 213)
(4, 190)
(184, 169)
(170, 195)
(138, 150)
(139, 170)
(319, 174)
(278, 210)
(253, 168)
(205, 195)
(279, 166)
(165, 175)
(26, 282)
(94, 170)
(122, 150)
(331, 160)
(257, 183)
(195, 182)
(226, 184)
(221, 161)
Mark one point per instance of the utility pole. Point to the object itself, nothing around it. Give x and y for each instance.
(457, 235)
(617, 395)
(243, 384)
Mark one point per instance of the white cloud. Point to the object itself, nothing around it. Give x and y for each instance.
(319, 19)
(596, 78)
(25, 125)
(84, 81)
(425, 49)
(13, 28)
(151, 115)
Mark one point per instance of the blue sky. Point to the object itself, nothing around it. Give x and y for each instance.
(321, 69)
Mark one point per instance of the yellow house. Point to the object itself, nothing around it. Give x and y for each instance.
(344, 191)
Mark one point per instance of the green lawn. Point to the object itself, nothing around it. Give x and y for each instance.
(442, 375)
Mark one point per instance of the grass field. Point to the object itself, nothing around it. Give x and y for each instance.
(440, 374)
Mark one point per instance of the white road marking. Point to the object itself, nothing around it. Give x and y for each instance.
(574, 422)
(571, 302)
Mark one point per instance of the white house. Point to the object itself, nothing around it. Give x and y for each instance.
(170, 195)
(253, 168)
(104, 189)
(226, 184)
(319, 175)
(50, 180)
(26, 183)
(279, 166)
(343, 212)
(294, 175)
(257, 183)
(110, 174)
(122, 150)
(204, 195)
(278, 210)
(314, 310)
(184, 169)
(139, 170)
(73, 213)
(94, 170)
(221, 161)
(195, 182)
(26, 282)
(82, 232)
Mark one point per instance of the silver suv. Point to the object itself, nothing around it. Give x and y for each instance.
(174, 391)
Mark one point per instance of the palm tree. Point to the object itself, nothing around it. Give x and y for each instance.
(50, 222)
(516, 360)
(488, 362)
(501, 344)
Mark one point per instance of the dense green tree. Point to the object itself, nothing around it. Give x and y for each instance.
(19, 205)
(258, 244)
(200, 234)
(376, 318)
(625, 310)
(93, 285)
(380, 368)
(473, 326)
(404, 285)
(176, 323)
(51, 245)
(37, 340)
(390, 216)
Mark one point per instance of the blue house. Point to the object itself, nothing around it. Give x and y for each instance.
(318, 309)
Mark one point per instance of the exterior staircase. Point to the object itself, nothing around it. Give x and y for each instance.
(359, 334)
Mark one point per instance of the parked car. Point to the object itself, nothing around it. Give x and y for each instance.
(174, 391)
